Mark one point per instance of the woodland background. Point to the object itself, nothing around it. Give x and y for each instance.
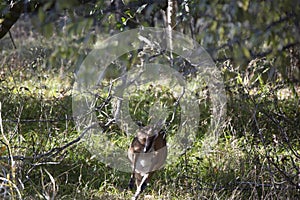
(254, 43)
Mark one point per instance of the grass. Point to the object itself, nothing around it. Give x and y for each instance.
(252, 159)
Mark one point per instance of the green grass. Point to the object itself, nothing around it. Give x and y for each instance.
(252, 159)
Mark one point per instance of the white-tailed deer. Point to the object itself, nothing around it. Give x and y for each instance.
(147, 153)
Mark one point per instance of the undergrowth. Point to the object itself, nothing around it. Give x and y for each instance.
(256, 157)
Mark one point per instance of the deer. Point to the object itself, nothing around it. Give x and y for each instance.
(147, 153)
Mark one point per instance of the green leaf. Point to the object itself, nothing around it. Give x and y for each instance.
(124, 20)
(41, 15)
(214, 26)
(48, 30)
(246, 52)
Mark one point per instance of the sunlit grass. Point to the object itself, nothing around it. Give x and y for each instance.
(237, 167)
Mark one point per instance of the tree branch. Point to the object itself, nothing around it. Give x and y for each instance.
(15, 11)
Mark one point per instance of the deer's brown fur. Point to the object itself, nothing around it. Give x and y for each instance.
(147, 153)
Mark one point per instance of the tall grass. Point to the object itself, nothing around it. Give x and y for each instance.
(257, 155)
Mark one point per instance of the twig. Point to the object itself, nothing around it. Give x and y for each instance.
(12, 184)
(12, 39)
(56, 150)
(53, 184)
(176, 105)
(262, 140)
(12, 163)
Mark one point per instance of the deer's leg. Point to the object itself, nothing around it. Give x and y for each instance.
(140, 186)
(132, 178)
(131, 181)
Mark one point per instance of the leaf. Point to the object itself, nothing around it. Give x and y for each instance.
(246, 52)
(62, 4)
(214, 25)
(239, 79)
(41, 15)
(2, 150)
(124, 20)
(48, 30)
(141, 8)
(244, 4)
